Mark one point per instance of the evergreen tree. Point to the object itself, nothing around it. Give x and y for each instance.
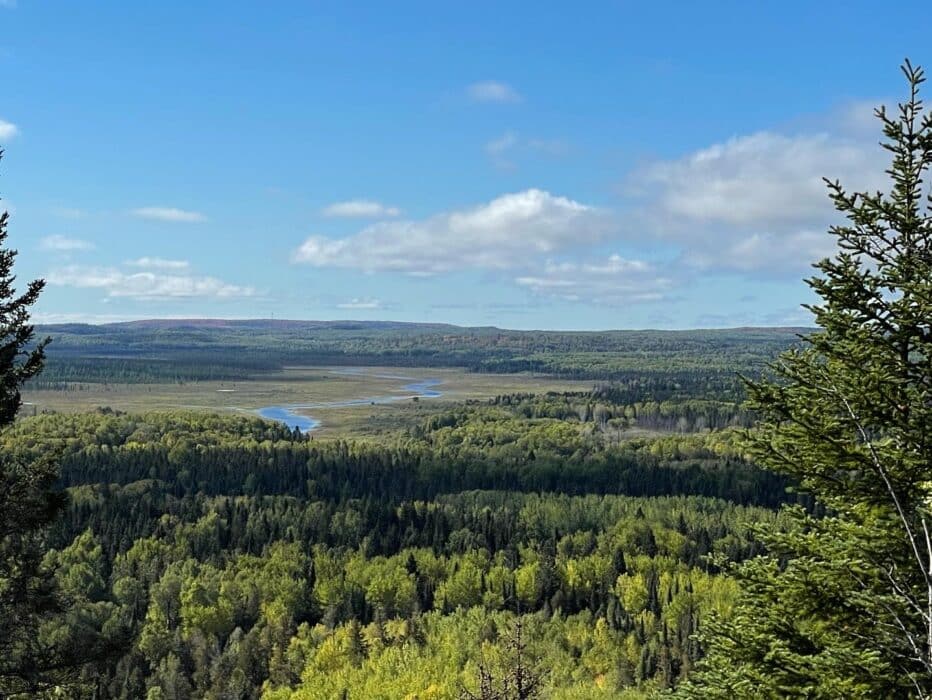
(27, 502)
(842, 605)
(20, 358)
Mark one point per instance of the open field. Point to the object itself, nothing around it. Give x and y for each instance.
(303, 386)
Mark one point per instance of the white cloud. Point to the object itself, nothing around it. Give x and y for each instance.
(64, 244)
(503, 150)
(753, 202)
(360, 209)
(7, 130)
(360, 304)
(769, 253)
(492, 91)
(858, 117)
(613, 281)
(762, 180)
(41, 317)
(118, 283)
(501, 234)
(169, 214)
(159, 263)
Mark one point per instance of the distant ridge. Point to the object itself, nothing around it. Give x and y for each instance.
(197, 348)
(272, 324)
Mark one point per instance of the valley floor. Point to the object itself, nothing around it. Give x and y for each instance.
(304, 386)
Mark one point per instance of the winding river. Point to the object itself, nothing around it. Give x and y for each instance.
(414, 388)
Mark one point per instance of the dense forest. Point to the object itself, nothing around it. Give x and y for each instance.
(227, 557)
(175, 351)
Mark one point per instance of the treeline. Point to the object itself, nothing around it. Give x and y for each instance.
(486, 448)
(700, 362)
(64, 373)
(606, 406)
(120, 515)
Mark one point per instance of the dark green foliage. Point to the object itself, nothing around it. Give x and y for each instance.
(27, 591)
(478, 447)
(842, 606)
(27, 504)
(20, 358)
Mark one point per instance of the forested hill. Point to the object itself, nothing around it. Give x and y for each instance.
(179, 350)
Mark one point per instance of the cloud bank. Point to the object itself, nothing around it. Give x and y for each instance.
(614, 281)
(497, 235)
(755, 202)
(147, 285)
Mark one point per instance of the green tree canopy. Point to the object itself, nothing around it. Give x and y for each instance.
(842, 605)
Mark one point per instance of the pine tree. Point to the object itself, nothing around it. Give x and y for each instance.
(20, 358)
(27, 502)
(841, 606)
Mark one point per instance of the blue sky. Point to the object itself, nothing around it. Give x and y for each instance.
(526, 165)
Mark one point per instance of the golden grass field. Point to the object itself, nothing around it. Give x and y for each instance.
(304, 385)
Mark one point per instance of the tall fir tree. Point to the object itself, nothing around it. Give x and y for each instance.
(20, 357)
(841, 606)
(28, 503)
